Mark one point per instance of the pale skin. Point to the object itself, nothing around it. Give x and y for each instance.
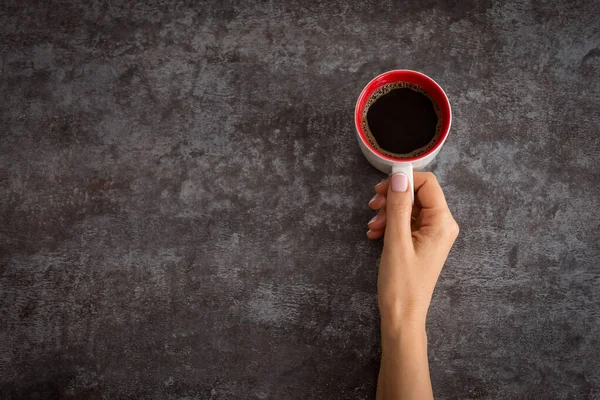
(417, 240)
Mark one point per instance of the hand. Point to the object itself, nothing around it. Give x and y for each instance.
(416, 244)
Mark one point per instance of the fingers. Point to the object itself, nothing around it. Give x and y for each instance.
(378, 201)
(431, 191)
(429, 198)
(399, 209)
(382, 187)
(374, 234)
(428, 191)
(377, 223)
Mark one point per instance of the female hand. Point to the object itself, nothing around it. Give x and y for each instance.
(416, 244)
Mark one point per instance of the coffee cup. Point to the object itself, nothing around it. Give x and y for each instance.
(383, 160)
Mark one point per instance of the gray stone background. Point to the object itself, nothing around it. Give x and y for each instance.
(184, 205)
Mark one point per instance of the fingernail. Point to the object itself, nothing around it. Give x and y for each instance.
(399, 182)
(374, 197)
(372, 220)
(369, 231)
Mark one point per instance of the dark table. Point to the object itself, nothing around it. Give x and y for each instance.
(184, 204)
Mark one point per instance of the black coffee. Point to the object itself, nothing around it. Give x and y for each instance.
(402, 120)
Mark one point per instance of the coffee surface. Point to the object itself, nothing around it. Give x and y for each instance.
(402, 120)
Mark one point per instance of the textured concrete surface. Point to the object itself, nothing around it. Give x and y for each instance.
(184, 205)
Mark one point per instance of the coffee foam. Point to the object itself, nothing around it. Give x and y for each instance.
(384, 90)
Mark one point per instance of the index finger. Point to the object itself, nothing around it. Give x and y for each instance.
(382, 187)
(428, 191)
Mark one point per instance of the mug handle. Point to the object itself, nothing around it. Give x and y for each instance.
(407, 169)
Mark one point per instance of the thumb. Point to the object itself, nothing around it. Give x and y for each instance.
(399, 210)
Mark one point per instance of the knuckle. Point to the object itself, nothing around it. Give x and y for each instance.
(430, 176)
(454, 228)
(447, 226)
(451, 228)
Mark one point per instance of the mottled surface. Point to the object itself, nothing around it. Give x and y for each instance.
(183, 202)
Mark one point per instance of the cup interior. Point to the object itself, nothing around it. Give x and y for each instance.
(426, 83)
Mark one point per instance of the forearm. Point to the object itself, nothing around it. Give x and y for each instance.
(404, 370)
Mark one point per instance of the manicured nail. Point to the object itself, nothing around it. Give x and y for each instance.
(373, 199)
(372, 220)
(399, 182)
(369, 231)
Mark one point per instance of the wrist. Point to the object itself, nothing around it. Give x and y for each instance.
(396, 319)
(395, 326)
